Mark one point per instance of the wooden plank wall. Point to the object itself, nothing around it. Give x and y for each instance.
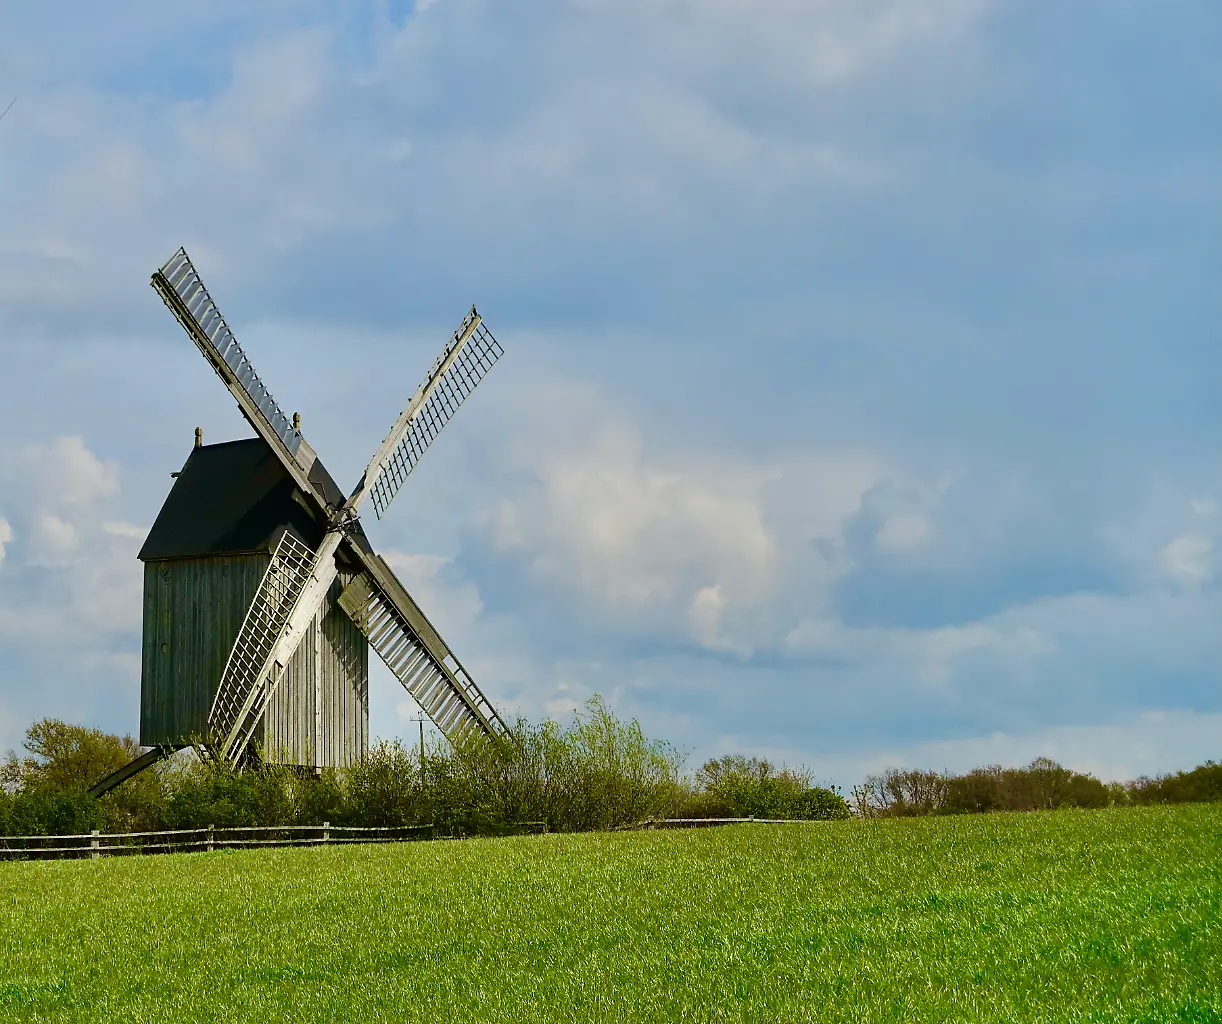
(193, 609)
(345, 689)
(289, 734)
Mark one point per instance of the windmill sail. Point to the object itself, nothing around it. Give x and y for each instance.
(414, 651)
(462, 364)
(182, 290)
(291, 592)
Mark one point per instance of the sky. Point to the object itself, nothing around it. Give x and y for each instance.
(860, 404)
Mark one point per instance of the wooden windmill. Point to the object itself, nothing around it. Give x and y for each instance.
(262, 594)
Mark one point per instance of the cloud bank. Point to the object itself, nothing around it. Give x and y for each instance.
(856, 403)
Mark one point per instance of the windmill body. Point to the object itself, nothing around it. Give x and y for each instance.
(204, 558)
(262, 594)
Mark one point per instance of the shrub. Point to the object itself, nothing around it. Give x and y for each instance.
(598, 772)
(754, 788)
(383, 790)
(899, 793)
(207, 793)
(978, 792)
(1201, 785)
(1041, 785)
(48, 787)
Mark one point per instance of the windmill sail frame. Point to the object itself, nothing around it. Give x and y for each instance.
(416, 655)
(456, 372)
(182, 290)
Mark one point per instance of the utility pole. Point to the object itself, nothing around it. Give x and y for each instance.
(420, 719)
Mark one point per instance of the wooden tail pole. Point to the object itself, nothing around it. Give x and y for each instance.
(133, 767)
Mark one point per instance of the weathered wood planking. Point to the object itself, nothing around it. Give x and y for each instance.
(193, 609)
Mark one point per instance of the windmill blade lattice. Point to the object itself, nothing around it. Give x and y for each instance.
(246, 685)
(453, 377)
(411, 648)
(206, 325)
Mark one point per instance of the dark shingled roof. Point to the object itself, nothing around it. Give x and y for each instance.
(235, 498)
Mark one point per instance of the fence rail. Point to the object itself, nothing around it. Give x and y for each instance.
(654, 823)
(109, 844)
(106, 844)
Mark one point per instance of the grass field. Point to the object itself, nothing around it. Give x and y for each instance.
(1066, 916)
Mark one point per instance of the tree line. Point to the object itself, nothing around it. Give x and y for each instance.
(1041, 785)
(598, 772)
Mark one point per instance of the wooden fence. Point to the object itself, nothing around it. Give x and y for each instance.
(106, 844)
(651, 823)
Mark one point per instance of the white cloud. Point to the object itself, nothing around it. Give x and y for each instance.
(634, 534)
(698, 547)
(81, 580)
(62, 475)
(902, 533)
(823, 40)
(131, 530)
(1188, 556)
(705, 617)
(6, 535)
(53, 541)
(449, 602)
(937, 657)
(1170, 536)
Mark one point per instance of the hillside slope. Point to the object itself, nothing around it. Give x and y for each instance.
(1063, 916)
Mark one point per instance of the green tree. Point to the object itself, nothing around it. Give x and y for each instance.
(48, 787)
(743, 787)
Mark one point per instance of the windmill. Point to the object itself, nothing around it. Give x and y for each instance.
(262, 593)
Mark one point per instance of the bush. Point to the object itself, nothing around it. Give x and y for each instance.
(42, 812)
(1201, 785)
(383, 790)
(222, 795)
(742, 787)
(596, 773)
(1042, 785)
(898, 793)
(48, 789)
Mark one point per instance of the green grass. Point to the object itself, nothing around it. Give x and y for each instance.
(1067, 916)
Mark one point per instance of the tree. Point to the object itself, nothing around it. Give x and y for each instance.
(753, 787)
(48, 788)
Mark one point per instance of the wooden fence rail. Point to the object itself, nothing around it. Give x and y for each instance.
(106, 844)
(101, 844)
(650, 823)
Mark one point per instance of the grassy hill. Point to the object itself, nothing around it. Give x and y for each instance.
(1109, 915)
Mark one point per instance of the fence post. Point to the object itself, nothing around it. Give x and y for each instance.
(94, 854)
(326, 831)
(210, 837)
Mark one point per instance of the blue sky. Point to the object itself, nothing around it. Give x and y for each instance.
(861, 397)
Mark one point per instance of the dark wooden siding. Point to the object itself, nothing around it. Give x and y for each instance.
(193, 609)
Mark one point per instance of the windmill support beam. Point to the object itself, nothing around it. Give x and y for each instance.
(133, 767)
